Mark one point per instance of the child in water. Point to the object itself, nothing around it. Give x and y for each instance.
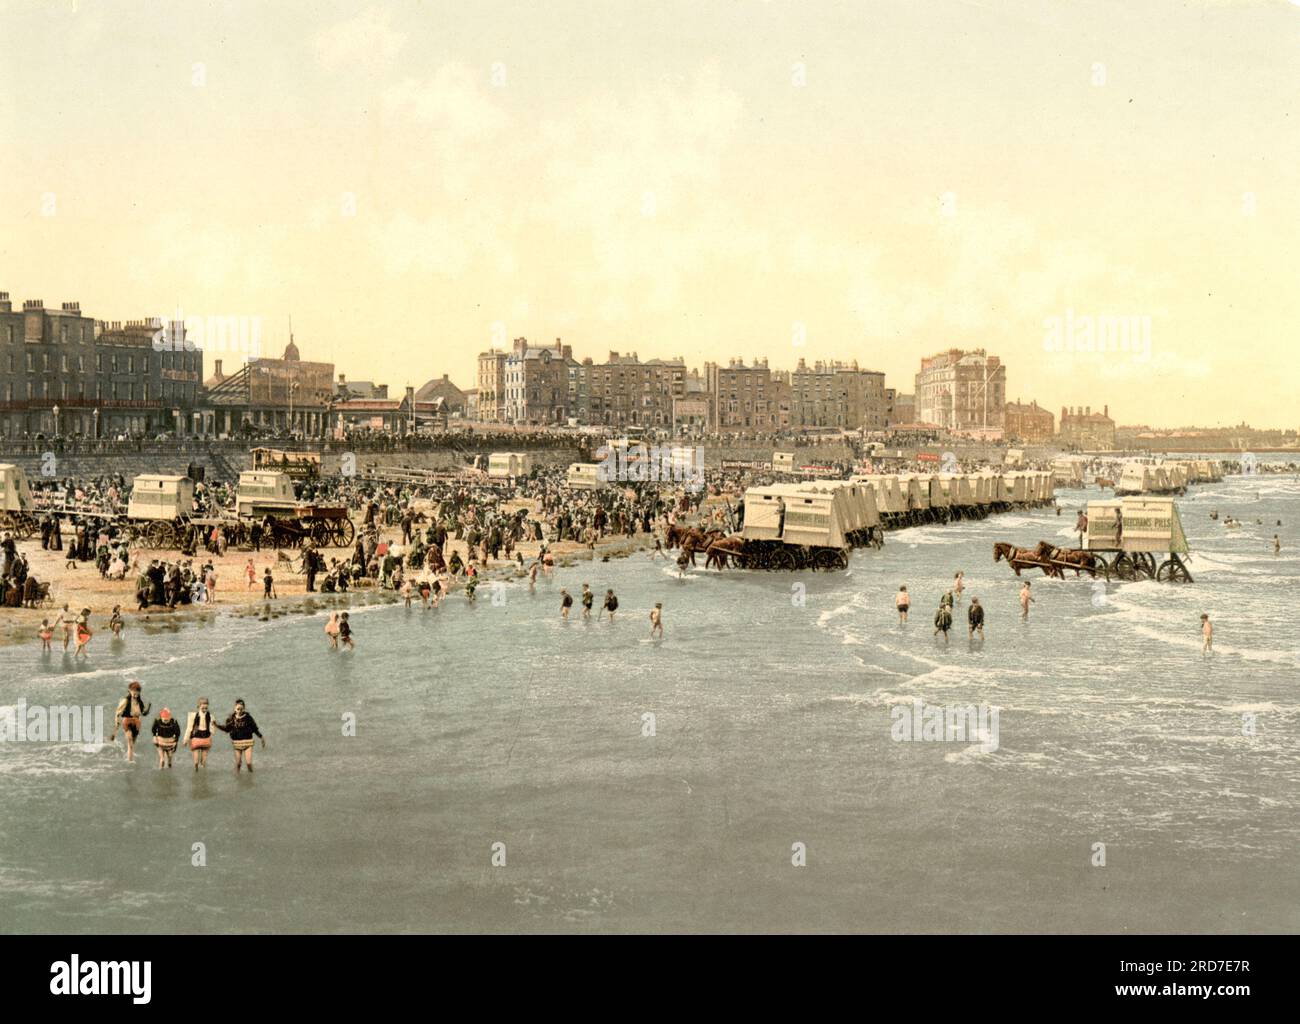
(657, 621)
(115, 622)
(332, 630)
(345, 632)
(46, 633)
(166, 736)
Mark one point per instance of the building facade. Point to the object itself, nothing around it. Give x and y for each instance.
(536, 383)
(747, 399)
(962, 392)
(286, 395)
(62, 373)
(1030, 423)
(491, 384)
(1087, 431)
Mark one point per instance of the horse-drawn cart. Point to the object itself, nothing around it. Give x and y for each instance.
(1127, 536)
(1123, 541)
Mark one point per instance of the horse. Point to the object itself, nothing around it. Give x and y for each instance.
(1020, 558)
(1077, 559)
(723, 548)
(1104, 482)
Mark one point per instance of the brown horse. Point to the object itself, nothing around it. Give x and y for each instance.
(691, 539)
(1078, 560)
(723, 548)
(1103, 481)
(1021, 558)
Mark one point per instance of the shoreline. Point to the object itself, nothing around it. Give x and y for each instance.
(19, 627)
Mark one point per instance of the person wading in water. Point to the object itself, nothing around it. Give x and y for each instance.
(198, 733)
(130, 709)
(241, 728)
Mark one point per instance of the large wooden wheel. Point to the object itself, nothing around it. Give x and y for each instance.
(1172, 570)
(1124, 568)
(159, 535)
(783, 560)
(344, 532)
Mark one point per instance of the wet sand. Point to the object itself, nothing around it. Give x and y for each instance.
(83, 587)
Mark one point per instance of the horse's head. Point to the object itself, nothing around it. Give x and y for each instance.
(1001, 550)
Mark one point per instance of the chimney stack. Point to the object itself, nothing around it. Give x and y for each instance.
(217, 369)
(33, 304)
(1105, 411)
(5, 305)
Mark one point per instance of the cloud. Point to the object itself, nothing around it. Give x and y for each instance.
(367, 40)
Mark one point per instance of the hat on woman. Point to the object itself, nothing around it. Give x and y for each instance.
(135, 685)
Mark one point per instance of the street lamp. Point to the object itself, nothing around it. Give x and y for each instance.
(95, 418)
(55, 410)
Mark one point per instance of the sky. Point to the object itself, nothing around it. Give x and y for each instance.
(875, 180)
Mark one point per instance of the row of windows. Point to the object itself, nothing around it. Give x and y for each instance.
(115, 391)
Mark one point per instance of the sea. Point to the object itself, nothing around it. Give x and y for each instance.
(772, 764)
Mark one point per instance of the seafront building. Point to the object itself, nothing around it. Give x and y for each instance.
(64, 373)
(1087, 431)
(1028, 422)
(962, 392)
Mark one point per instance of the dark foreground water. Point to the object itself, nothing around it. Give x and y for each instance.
(772, 720)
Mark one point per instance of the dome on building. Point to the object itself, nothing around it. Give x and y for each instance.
(291, 350)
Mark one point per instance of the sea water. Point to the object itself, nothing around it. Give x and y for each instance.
(490, 767)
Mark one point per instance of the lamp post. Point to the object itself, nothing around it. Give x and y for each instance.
(95, 418)
(293, 386)
(55, 411)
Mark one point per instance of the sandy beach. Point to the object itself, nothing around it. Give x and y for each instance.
(83, 587)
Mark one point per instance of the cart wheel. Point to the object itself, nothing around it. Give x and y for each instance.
(347, 533)
(783, 560)
(825, 559)
(156, 535)
(320, 531)
(1173, 571)
(25, 526)
(1124, 568)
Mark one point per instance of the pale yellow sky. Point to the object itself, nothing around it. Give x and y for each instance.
(880, 180)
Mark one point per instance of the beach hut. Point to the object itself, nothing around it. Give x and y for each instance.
(155, 497)
(262, 492)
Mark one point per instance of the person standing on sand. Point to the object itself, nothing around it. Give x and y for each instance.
(902, 602)
(975, 617)
(241, 728)
(1207, 634)
(166, 735)
(130, 709)
(657, 621)
(251, 573)
(268, 585)
(1025, 600)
